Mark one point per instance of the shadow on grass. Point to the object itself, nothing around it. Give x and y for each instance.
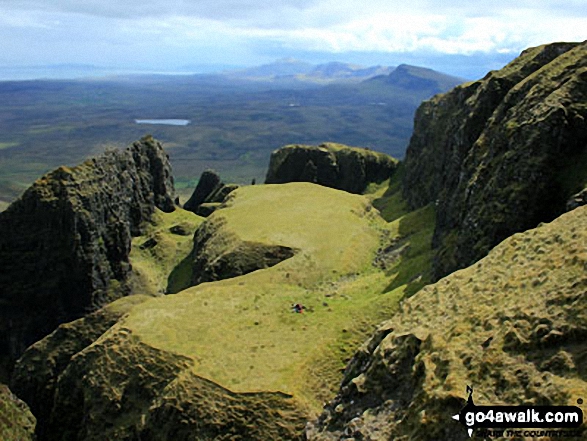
(392, 205)
(414, 251)
(181, 276)
(408, 257)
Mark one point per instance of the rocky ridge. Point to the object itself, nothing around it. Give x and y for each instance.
(64, 244)
(91, 389)
(332, 165)
(219, 254)
(501, 154)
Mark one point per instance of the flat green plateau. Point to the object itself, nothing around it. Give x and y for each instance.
(241, 332)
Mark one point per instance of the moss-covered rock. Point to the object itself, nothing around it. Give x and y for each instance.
(501, 154)
(36, 373)
(16, 420)
(513, 326)
(219, 254)
(159, 255)
(332, 165)
(65, 244)
(208, 194)
(120, 388)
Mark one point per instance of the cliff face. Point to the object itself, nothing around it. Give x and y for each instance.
(501, 154)
(513, 326)
(64, 244)
(331, 165)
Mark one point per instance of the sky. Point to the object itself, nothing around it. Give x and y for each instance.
(463, 38)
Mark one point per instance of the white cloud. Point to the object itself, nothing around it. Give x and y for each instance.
(22, 19)
(234, 31)
(214, 9)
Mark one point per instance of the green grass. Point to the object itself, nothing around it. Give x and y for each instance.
(413, 270)
(410, 236)
(388, 198)
(153, 265)
(241, 332)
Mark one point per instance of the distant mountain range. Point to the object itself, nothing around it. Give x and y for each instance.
(290, 69)
(284, 72)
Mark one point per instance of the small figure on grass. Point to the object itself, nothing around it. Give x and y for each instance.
(298, 308)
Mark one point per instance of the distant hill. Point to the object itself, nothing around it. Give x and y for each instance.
(337, 70)
(279, 68)
(418, 78)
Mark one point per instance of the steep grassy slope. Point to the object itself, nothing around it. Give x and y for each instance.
(501, 154)
(44, 361)
(156, 256)
(513, 326)
(229, 359)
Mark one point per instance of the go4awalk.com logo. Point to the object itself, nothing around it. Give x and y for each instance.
(509, 418)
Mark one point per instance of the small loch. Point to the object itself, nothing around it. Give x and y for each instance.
(166, 122)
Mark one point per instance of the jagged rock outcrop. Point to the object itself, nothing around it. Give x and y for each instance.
(64, 245)
(513, 326)
(332, 165)
(208, 194)
(501, 154)
(577, 200)
(208, 183)
(16, 420)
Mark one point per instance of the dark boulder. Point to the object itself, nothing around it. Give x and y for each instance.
(208, 194)
(208, 184)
